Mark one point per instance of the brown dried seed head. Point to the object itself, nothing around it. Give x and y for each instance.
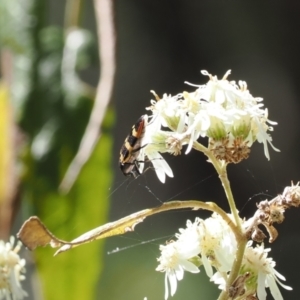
(230, 152)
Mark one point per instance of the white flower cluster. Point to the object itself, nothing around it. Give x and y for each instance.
(11, 269)
(221, 110)
(212, 244)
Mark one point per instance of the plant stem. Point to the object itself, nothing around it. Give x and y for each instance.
(226, 185)
(118, 227)
(239, 233)
(222, 172)
(235, 268)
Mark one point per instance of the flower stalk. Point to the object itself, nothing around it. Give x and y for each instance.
(236, 267)
(239, 234)
(222, 172)
(226, 185)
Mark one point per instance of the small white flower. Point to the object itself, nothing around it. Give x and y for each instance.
(174, 260)
(235, 111)
(221, 243)
(161, 167)
(11, 269)
(263, 273)
(166, 111)
(209, 242)
(221, 110)
(179, 256)
(259, 130)
(153, 142)
(217, 245)
(219, 279)
(189, 238)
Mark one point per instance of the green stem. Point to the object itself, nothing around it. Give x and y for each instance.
(235, 268)
(239, 234)
(221, 170)
(118, 227)
(226, 185)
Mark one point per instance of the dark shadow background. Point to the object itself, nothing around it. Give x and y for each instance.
(161, 44)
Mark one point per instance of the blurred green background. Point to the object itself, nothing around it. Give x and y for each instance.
(47, 91)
